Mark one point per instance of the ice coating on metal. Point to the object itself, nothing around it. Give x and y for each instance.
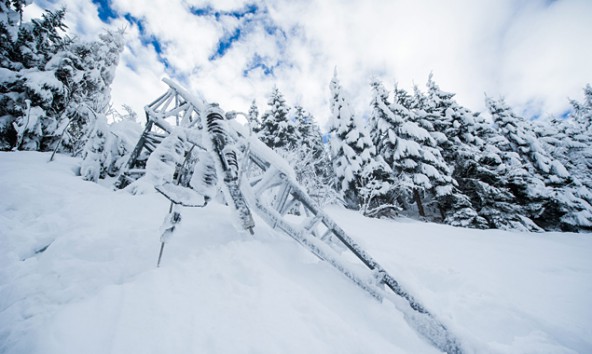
(248, 176)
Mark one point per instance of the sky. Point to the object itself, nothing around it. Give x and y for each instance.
(534, 53)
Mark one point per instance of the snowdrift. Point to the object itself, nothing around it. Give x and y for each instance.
(77, 275)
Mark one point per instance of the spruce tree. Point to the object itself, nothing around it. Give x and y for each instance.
(253, 117)
(88, 69)
(582, 111)
(486, 175)
(276, 130)
(31, 98)
(96, 157)
(363, 179)
(569, 141)
(51, 81)
(580, 153)
(548, 190)
(410, 150)
(400, 143)
(481, 196)
(125, 131)
(312, 163)
(451, 126)
(439, 108)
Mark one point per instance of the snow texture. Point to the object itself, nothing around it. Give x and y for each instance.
(81, 279)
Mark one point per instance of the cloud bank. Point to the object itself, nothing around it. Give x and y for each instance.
(535, 53)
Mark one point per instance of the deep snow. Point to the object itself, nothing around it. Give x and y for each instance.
(95, 288)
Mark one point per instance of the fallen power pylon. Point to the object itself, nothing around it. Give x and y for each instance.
(205, 150)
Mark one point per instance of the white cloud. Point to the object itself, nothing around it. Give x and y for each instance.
(139, 73)
(547, 58)
(32, 11)
(536, 53)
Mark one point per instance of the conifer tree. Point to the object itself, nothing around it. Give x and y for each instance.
(276, 129)
(50, 81)
(125, 133)
(549, 191)
(96, 155)
(579, 153)
(438, 107)
(582, 111)
(30, 97)
(400, 143)
(481, 196)
(312, 162)
(486, 176)
(363, 179)
(450, 125)
(253, 117)
(411, 152)
(569, 141)
(523, 141)
(87, 69)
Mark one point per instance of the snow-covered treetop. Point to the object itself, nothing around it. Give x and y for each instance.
(276, 129)
(436, 95)
(524, 141)
(253, 115)
(339, 105)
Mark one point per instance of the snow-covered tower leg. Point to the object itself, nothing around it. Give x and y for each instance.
(227, 165)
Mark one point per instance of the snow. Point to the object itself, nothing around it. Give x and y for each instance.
(78, 275)
(7, 76)
(196, 99)
(42, 83)
(413, 130)
(509, 292)
(259, 149)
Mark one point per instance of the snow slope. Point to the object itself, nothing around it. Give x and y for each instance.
(95, 288)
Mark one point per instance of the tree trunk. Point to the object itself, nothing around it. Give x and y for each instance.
(442, 213)
(417, 198)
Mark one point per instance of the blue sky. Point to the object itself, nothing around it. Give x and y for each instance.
(248, 12)
(531, 52)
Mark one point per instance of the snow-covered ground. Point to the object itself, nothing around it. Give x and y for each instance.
(77, 275)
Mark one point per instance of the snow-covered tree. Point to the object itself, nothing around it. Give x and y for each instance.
(487, 177)
(438, 110)
(481, 196)
(398, 149)
(108, 146)
(579, 152)
(582, 111)
(410, 150)
(362, 178)
(311, 160)
(31, 96)
(253, 117)
(570, 140)
(48, 80)
(96, 156)
(523, 141)
(125, 132)
(549, 191)
(309, 134)
(87, 70)
(276, 129)
(451, 125)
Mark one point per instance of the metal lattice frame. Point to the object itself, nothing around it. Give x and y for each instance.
(173, 109)
(264, 184)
